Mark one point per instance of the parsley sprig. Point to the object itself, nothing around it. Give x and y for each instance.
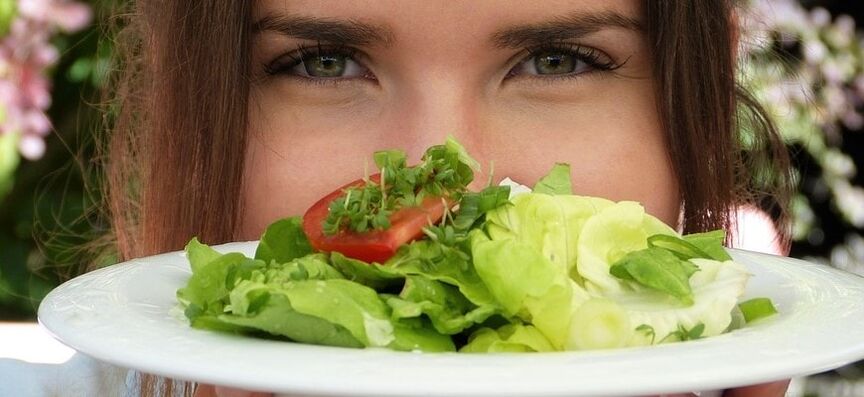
(681, 334)
(444, 171)
(454, 227)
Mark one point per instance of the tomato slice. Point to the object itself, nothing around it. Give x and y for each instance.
(406, 225)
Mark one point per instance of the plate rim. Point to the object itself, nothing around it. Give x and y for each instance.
(825, 362)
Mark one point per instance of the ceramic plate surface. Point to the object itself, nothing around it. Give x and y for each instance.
(127, 314)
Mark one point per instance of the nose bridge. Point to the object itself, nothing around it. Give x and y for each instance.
(435, 106)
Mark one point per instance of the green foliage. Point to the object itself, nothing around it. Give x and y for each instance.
(7, 13)
(806, 67)
(52, 200)
(9, 160)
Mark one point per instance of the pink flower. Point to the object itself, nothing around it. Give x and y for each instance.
(31, 147)
(68, 15)
(25, 54)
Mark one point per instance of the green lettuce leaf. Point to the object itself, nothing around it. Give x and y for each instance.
(608, 236)
(659, 269)
(336, 308)
(453, 146)
(473, 206)
(199, 255)
(514, 337)
(283, 241)
(309, 267)
(599, 323)
(557, 181)
(207, 290)
(348, 304)
(716, 288)
(711, 243)
(424, 339)
(550, 224)
(525, 284)
(277, 317)
(369, 274)
(757, 308)
(442, 263)
(677, 246)
(446, 308)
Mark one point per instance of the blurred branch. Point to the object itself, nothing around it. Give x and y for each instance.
(807, 68)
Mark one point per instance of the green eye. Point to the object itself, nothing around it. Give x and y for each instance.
(325, 65)
(555, 63)
(563, 60)
(319, 63)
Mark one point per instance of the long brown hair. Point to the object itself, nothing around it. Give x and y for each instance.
(705, 113)
(177, 122)
(179, 117)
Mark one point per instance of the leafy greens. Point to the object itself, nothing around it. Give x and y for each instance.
(539, 271)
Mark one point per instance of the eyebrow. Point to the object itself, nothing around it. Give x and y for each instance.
(572, 26)
(348, 32)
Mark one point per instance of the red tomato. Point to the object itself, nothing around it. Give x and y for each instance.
(406, 225)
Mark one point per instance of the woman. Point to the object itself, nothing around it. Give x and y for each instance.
(232, 114)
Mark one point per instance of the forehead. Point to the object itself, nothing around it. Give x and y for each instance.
(441, 20)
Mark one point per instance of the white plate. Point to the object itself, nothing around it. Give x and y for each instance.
(127, 314)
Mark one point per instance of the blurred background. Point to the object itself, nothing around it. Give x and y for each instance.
(803, 59)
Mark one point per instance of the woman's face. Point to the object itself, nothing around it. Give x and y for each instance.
(521, 84)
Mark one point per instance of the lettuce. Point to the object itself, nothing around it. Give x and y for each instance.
(283, 241)
(757, 308)
(711, 243)
(208, 288)
(331, 312)
(305, 299)
(446, 308)
(443, 263)
(599, 323)
(550, 224)
(525, 283)
(557, 181)
(607, 237)
(515, 337)
(369, 274)
(625, 266)
(716, 289)
(276, 316)
(658, 269)
(509, 271)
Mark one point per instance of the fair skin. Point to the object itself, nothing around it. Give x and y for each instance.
(407, 91)
(522, 85)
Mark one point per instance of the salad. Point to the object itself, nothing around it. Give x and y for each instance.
(409, 259)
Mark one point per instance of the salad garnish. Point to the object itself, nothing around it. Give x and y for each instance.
(444, 171)
(757, 308)
(410, 259)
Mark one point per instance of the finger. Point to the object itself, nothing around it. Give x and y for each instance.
(204, 391)
(774, 389)
(231, 392)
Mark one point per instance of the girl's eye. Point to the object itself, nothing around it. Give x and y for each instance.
(318, 63)
(555, 63)
(328, 66)
(325, 66)
(565, 61)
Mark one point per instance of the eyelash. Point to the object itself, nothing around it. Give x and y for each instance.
(594, 58)
(597, 60)
(282, 65)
